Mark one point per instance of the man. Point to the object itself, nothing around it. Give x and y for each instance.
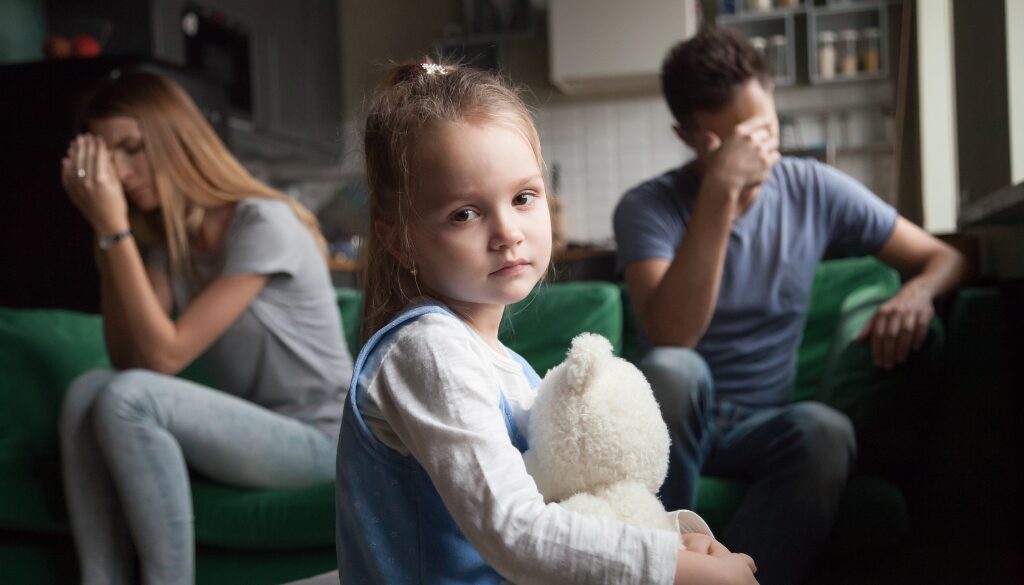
(719, 256)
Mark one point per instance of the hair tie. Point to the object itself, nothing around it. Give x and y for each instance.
(434, 69)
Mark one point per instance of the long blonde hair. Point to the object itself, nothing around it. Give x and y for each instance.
(415, 97)
(192, 169)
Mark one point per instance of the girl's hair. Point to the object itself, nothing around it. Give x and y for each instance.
(192, 170)
(416, 97)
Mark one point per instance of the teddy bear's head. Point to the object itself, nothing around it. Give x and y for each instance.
(594, 423)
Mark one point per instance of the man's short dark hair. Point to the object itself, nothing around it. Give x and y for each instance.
(704, 72)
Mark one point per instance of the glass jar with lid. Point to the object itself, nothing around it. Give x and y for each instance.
(870, 54)
(826, 54)
(760, 44)
(849, 55)
(777, 59)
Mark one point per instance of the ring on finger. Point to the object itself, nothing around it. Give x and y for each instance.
(80, 172)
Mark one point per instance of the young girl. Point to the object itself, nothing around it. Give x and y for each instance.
(242, 266)
(431, 482)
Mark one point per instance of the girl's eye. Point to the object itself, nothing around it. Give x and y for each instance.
(524, 198)
(464, 215)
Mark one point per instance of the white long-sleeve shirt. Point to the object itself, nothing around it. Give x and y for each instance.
(436, 398)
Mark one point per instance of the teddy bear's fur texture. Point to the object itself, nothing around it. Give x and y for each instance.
(598, 444)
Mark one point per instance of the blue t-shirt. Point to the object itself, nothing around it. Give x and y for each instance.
(802, 210)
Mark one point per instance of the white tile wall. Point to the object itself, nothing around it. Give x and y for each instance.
(605, 147)
(602, 149)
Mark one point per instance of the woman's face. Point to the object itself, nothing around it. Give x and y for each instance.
(123, 137)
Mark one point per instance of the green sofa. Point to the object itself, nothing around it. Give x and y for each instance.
(270, 536)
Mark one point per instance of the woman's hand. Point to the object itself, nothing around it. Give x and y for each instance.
(90, 179)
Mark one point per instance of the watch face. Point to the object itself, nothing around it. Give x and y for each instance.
(108, 240)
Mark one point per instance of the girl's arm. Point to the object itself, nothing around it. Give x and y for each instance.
(441, 399)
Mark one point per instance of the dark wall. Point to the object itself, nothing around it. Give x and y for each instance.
(46, 247)
(982, 108)
(122, 26)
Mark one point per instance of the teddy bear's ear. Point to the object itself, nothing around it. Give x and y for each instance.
(586, 353)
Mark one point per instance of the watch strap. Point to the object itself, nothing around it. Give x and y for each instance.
(106, 241)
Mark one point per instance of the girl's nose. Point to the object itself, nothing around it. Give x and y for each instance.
(507, 232)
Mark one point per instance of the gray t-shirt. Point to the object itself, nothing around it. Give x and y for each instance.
(286, 352)
(804, 209)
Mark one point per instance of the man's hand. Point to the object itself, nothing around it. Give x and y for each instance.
(899, 325)
(745, 157)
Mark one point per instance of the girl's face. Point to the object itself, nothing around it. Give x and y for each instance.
(481, 233)
(123, 137)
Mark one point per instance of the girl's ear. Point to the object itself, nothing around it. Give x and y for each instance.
(387, 234)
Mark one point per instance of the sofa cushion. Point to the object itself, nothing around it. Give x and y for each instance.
(889, 408)
(527, 327)
(872, 511)
(236, 518)
(350, 305)
(834, 280)
(541, 327)
(41, 351)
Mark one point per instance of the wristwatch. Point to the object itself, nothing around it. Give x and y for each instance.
(106, 241)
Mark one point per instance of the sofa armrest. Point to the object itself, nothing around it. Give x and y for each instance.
(889, 408)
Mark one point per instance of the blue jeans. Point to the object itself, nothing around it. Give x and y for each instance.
(125, 440)
(795, 458)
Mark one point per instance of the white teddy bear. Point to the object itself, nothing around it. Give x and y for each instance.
(598, 444)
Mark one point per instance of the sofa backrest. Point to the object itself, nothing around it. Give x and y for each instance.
(540, 327)
(834, 280)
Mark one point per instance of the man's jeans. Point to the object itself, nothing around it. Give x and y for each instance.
(795, 458)
(125, 440)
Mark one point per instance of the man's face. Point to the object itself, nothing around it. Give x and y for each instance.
(751, 100)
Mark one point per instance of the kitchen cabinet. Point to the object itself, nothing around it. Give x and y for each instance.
(291, 108)
(295, 73)
(777, 34)
(610, 46)
(854, 47)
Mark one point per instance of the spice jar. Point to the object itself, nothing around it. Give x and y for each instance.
(759, 5)
(759, 44)
(778, 64)
(826, 54)
(848, 53)
(870, 56)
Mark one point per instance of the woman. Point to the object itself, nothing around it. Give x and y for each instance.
(242, 267)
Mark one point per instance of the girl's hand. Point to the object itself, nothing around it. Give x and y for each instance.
(90, 179)
(694, 568)
(704, 544)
